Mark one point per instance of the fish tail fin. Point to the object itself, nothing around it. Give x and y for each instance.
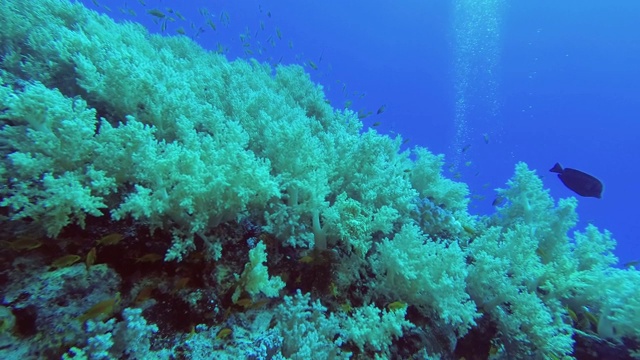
(557, 168)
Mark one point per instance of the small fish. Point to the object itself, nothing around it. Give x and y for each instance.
(633, 263)
(499, 200)
(224, 18)
(111, 239)
(220, 49)
(485, 136)
(552, 356)
(593, 320)
(306, 259)
(405, 141)
(397, 305)
(157, 13)
(278, 33)
(91, 258)
(104, 307)
(180, 16)
(333, 289)
(313, 65)
(467, 164)
(65, 261)
(245, 302)
(493, 350)
(211, 24)
(259, 304)
(470, 230)
(363, 115)
(465, 148)
(579, 182)
(149, 258)
(23, 243)
(347, 104)
(198, 32)
(180, 284)
(376, 124)
(180, 31)
(144, 294)
(381, 109)
(572, 314)
(142, 2)
(224, 333)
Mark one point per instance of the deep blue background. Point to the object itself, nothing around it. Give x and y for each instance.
(567, 82)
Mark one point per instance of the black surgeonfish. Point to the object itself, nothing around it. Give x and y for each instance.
(581, 183)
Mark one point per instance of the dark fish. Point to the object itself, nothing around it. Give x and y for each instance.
(498, 201)
(581, 183)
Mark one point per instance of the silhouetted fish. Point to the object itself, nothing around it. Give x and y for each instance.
(581, 183)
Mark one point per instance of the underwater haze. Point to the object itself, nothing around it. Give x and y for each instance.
(487, 83)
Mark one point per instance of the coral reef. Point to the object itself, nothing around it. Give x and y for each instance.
(161, 202)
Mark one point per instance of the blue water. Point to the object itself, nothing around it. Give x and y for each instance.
(546, 81)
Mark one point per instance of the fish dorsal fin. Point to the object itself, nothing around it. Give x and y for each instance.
(557, 168)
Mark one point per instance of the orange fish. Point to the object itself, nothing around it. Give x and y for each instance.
(150, 257)
(104, 307)
(144, 294)
(65, 261)
(91, 258)
(180, 284)
(111, 239)
(245, 303)
(23, 243)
